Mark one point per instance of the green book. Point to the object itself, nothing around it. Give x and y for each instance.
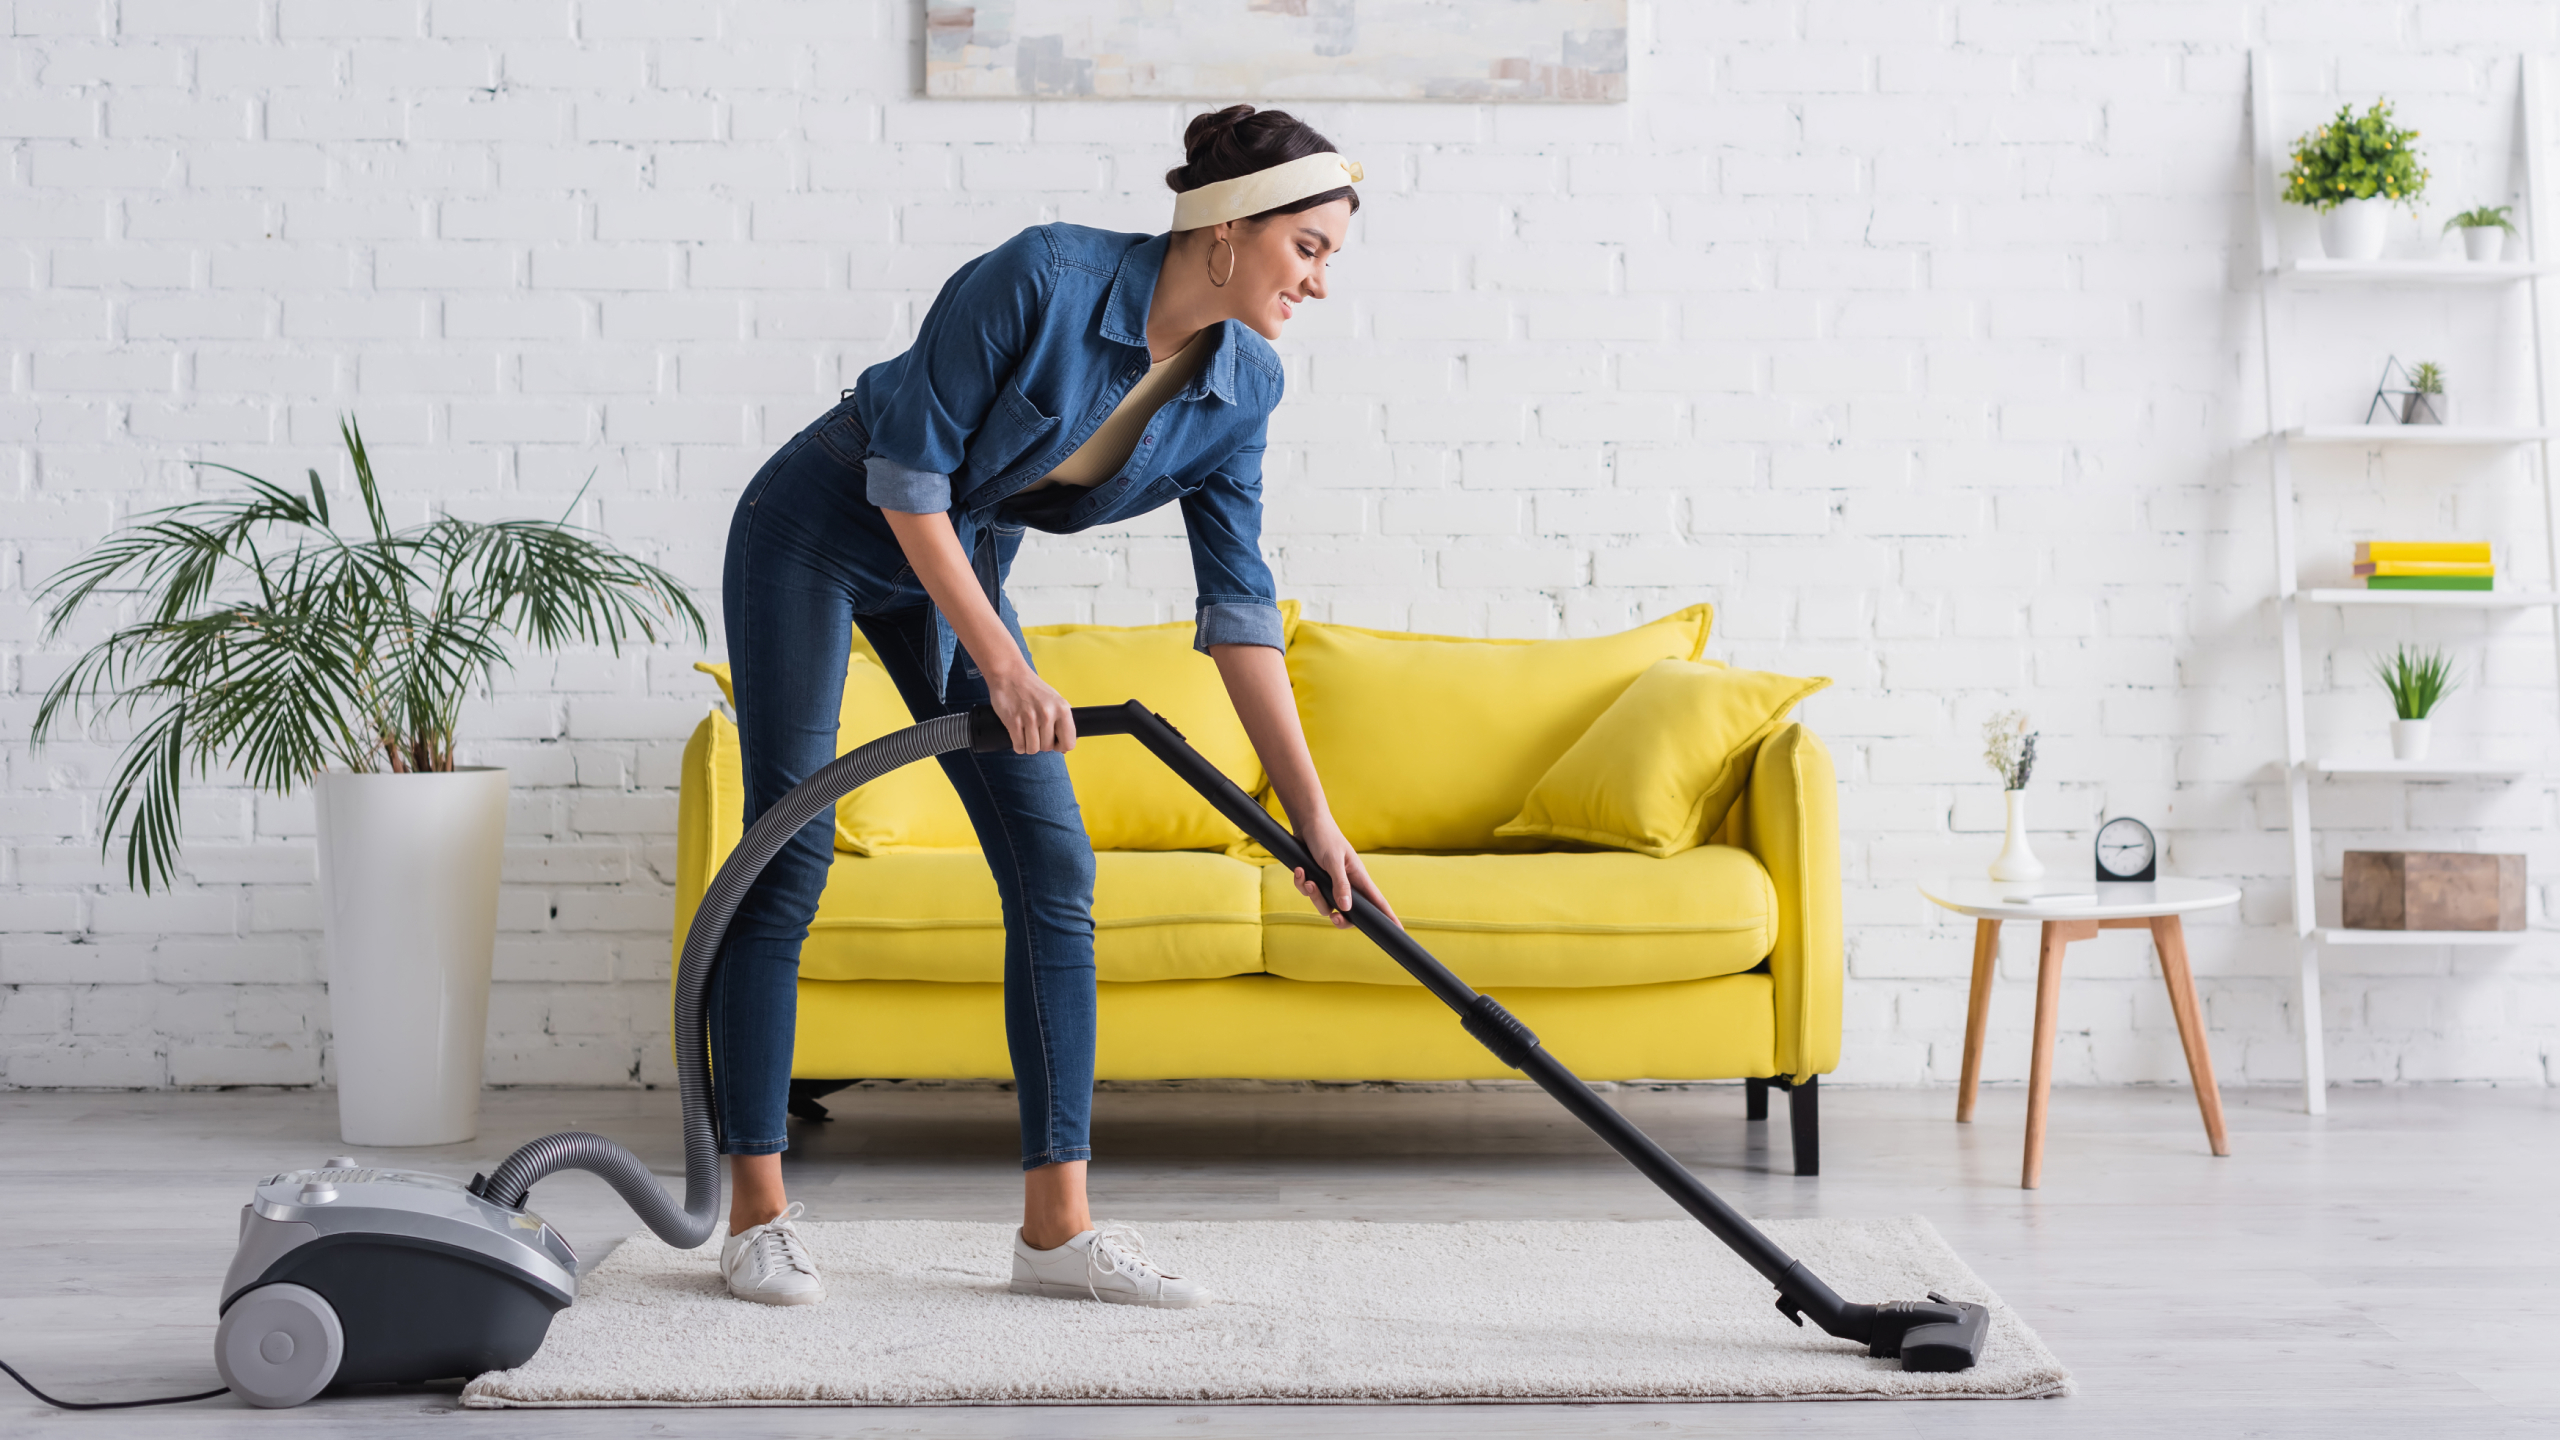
(2429, 582)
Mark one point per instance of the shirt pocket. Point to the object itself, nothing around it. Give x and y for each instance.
(1014, 426)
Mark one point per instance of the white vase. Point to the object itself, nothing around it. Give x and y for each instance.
(2016, 861)
(2355, 229)
(2484, 242)
(409, 885)
(2409, 739)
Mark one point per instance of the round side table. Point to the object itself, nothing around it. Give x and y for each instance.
(2071, 910)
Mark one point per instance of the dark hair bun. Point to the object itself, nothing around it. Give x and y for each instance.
(1239, 140)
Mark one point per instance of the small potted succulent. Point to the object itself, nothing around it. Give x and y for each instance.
(2353, 170)
(2009, 747)
(2484, 231)
(2417, 680)
(2425, 403)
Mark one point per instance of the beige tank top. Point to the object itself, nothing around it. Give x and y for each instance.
(1109, 447)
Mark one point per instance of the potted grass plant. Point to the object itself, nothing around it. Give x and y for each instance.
(2485, 229)
(2417, 680)
(2425, 403)
(2353, 170)
(263, 639)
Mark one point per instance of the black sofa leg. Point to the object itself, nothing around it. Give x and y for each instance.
(1755, 1099)
(803, 1103)
(1804, 1117)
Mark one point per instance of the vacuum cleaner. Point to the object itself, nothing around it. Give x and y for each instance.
(349, 1274)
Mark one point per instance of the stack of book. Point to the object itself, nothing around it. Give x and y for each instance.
(2425, 565)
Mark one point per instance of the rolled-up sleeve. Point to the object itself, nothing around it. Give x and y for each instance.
(965, 348)
(1238, 605)
(893, 486)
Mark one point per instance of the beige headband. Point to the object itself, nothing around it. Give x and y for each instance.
(1263, 190)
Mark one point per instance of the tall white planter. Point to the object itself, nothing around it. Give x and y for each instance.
(2355, 229)
(2015, 860)
(409, 879)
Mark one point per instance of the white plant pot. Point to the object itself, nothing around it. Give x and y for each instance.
(2355, 229)
(2409, 739)
(2483, 242)
(409, 883)
(2016, 861)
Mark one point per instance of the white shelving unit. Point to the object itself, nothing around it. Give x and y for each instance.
(2436, 599)
(2423, 769)
(2418, 434)
(2278, 277)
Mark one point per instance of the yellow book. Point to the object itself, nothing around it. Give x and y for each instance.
(2471, 551)
(2425, 567)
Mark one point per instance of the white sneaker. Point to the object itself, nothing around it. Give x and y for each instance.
(768, 1264)
(1108, 1264)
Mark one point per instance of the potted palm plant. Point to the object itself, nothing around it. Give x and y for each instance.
(266, 641)
(2417, 680)
(2485, 229)
(2353, 170)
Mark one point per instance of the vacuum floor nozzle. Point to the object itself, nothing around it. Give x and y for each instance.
(1941, 1335)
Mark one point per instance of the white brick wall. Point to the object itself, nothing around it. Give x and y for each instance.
(1915, 335)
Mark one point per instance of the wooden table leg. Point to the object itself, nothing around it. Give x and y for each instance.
(1977, 1015)
(2058, 935)
(2170, 939)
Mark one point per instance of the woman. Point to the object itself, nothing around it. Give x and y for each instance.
(1066, 379)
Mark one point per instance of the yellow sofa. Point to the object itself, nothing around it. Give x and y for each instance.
(1722, 961)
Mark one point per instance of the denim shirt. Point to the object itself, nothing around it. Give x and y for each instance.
(1025, 353)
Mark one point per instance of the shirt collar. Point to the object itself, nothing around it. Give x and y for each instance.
(1124, 318)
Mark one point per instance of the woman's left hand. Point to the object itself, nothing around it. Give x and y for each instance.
(1335, 857)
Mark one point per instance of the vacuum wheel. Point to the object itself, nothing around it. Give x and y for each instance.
(279, 1345)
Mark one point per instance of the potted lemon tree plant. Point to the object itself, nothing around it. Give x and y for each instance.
(265, 639)
(2353, 170)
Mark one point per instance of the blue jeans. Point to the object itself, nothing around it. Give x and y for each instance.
(809, 558)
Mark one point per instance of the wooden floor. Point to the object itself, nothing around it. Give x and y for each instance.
(2392, 1269)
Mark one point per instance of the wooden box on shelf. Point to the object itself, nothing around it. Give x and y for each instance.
(2433, 890)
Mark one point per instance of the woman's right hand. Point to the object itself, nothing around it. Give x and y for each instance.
(1037, 717)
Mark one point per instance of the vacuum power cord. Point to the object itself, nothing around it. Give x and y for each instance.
(105, 1404)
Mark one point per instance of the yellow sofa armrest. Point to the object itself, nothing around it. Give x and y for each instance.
(1791, 820)
(711, 807)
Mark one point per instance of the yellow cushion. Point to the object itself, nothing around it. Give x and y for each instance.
(1428, 742)
(933, 915)
(1258, 1027)
(1658, 770)
(1557, 920)
(912, 807)
(1130, 800)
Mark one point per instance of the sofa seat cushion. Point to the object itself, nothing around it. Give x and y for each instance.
(1261, 1027)
(1550, 920)
(934, 915)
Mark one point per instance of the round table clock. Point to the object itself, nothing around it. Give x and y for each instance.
(2127, 851)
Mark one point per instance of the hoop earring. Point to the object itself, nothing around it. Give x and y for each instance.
(1210, 260)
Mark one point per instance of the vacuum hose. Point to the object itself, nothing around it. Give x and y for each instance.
(1936, 1334)
(690, 1224)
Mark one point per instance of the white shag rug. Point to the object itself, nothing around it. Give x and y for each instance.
(917, 1313)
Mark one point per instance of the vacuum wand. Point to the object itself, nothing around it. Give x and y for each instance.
(1936, 1334)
